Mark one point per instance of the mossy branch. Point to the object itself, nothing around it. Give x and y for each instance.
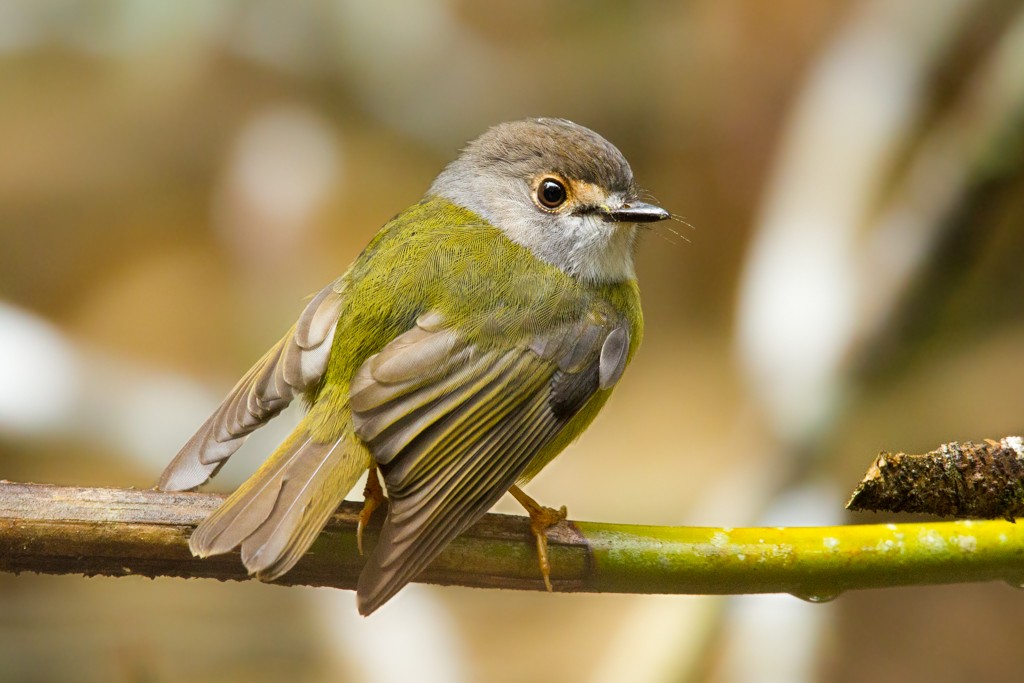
(115, 532)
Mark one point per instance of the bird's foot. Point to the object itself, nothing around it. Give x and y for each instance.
(373, 498)
(541, 519)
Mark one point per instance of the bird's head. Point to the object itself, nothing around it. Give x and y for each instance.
(556, 188)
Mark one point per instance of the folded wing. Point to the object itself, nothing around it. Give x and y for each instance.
(453, 425)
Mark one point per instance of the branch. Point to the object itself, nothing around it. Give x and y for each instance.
(115, 532)
(955, 480)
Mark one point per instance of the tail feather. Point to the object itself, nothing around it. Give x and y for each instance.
(310, 493)
(277, 514)
(250, 505)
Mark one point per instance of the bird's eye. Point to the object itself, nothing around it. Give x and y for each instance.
(551, 193)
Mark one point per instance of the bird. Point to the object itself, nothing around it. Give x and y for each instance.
(477, 334)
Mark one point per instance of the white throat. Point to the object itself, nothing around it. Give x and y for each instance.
(585, 247)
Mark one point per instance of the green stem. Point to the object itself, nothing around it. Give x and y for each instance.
(816, 563)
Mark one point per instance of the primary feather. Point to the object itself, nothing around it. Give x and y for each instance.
(288, 369)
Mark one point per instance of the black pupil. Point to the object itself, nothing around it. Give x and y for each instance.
(552, 193)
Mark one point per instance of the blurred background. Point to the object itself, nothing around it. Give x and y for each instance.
(176, 177)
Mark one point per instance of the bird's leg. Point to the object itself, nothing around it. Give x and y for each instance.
(373, 496)
(541, 519)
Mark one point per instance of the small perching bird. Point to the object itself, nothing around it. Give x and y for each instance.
(478, 333)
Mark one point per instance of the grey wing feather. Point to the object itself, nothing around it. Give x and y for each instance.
(291, 367)
(452, 437)
(571, 390)
(614, 354)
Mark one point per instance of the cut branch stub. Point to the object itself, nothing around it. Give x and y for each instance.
(981, 480)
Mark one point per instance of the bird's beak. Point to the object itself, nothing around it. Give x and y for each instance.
(634, 212)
